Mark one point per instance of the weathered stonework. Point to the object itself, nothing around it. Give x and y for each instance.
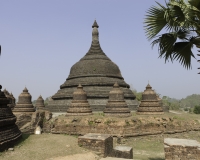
(9, 132)
(122, 152)
(149, 103)
(79, 105)
(116, 105)
(24, 103)
(97, 142)
(8, 95)
(27, 121)
(181, 149)
(97, 74)
(40, 103)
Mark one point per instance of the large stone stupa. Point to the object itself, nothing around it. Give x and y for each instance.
(97, 74)
(9, 132)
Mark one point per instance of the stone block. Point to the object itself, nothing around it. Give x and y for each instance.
(181, 149)
(102, 143)
(123, 152)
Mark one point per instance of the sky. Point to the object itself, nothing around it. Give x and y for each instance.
(42, 39)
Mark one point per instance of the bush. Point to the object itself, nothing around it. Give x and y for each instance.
(197, 109)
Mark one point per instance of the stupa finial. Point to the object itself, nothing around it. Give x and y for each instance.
(95, 32)
(95, 24)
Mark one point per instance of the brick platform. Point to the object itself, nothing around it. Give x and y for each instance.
(181, 149)
(97, 142)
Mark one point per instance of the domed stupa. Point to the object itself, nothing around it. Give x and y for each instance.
(24, 103)
(79, 105)
(10, 97)
(40, 103)
(9, 132)
(97, 74)
(116, 105)
(149, 103)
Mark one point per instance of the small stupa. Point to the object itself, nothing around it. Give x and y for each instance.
(40, 103)
(79, 105)
(9, 132)
(9, 96)
(150, 103)
(116, 105)
(24, 103)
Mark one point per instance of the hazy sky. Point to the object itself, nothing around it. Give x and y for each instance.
(42, 39)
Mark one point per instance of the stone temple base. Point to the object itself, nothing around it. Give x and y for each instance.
(118, 115)
(149, 113)
(78, 114)
(95, 104)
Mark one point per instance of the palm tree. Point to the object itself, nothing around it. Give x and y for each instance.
(181, 21)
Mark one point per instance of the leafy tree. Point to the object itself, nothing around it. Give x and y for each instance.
(138, 95)
(181, 21)
(197, 109)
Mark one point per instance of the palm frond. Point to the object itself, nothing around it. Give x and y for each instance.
(154, 21)
(183, 53)
(195, 3)
(166, 42)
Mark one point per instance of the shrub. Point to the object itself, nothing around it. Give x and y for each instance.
(197, 109)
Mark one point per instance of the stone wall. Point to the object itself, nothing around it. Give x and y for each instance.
(181, 149)
(97, 142)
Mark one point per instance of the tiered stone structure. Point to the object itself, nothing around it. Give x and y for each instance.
(97, 74)
(24, 103)
(9, 132)
(79, 105)
(40, 103)
(116, 105)
(149, 103)
(183, 149)
(10, 97)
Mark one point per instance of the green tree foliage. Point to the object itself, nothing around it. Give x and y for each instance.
(138, 95)
(173, 103)
(180, 20)
(190, 101)
(197, 109)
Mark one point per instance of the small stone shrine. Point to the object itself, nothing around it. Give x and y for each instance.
(79, 105)
(24, 103)
(149, 103)
(9, 132)
(97, 74)
(40, 103)
(116, 105)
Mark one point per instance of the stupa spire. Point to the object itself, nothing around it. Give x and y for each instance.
(95, 32)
